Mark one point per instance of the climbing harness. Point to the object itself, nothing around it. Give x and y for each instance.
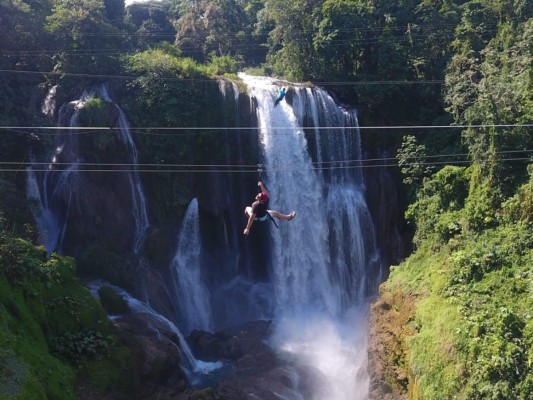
(272, 219)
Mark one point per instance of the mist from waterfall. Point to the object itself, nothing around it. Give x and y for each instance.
(320, 258)
(193, 297)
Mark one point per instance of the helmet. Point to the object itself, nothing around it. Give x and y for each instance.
(263, 197)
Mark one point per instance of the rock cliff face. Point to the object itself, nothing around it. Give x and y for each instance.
(390, 324)
(384, 204)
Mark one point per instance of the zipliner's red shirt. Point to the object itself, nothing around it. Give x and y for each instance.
(259, 209)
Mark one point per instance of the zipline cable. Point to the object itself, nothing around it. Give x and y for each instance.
(163, 78)
(290, 128)
(250, 168)
(259, 167)
(254, 171)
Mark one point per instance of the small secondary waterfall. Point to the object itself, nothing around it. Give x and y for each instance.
(49, 103)
(60, 185)
(159, 323)
(321, 259)
(47, 223)
(137, 194)
(193, 297)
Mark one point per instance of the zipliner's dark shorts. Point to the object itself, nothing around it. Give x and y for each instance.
(262, 218)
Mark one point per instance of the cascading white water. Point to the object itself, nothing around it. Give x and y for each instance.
(49, 103)
(63, 183)
(193, 296)
(137, 193)
(320, 258)
(159, 322)
(47, 223)
(58, 182)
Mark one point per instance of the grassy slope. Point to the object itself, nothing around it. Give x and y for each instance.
(52, 330)
(466, 332)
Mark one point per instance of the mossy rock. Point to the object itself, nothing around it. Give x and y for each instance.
(111, 301)
(97, 112)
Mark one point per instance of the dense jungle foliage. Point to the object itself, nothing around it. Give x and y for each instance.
(468, 191)
(52, 329)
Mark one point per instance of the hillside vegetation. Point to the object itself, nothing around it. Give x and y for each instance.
(52, 331)
(461, 304)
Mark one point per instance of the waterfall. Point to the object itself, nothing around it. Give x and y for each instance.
(49, 103)
(60, 185)
(159, 324)
(47, 223)
(192, 295)
(137, 194)
(321, 258)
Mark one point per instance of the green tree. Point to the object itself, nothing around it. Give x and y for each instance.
(211, 28)
(412, 161)
(291, 49)
(86, 40)
(341, 37)
(491, 86)
(151, 22)
(436, 211)
(115, 9)
(25, 48)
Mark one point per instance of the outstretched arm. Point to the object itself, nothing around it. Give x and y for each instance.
(262, 187)
(249, 224)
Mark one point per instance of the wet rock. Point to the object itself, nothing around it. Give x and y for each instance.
(232, 343)
(155, 352)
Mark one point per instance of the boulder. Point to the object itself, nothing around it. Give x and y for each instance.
(155, 357)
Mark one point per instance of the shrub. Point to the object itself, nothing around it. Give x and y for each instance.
(223, 65)
(81, 346)
(94, 113)
(520, 206)
(444, 192)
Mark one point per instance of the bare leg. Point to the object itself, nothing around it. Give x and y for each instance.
(279, 215)
(248, 212)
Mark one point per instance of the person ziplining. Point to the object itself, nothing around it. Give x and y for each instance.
(258, 211)
(281, 95)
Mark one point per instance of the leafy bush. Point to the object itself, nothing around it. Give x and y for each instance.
(93, 113)
(81, 346)
(411, 159)
(223, 65)
(41, 298)
(443, 193)
(520, 206)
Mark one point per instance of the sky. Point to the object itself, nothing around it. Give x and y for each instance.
(128, 2)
